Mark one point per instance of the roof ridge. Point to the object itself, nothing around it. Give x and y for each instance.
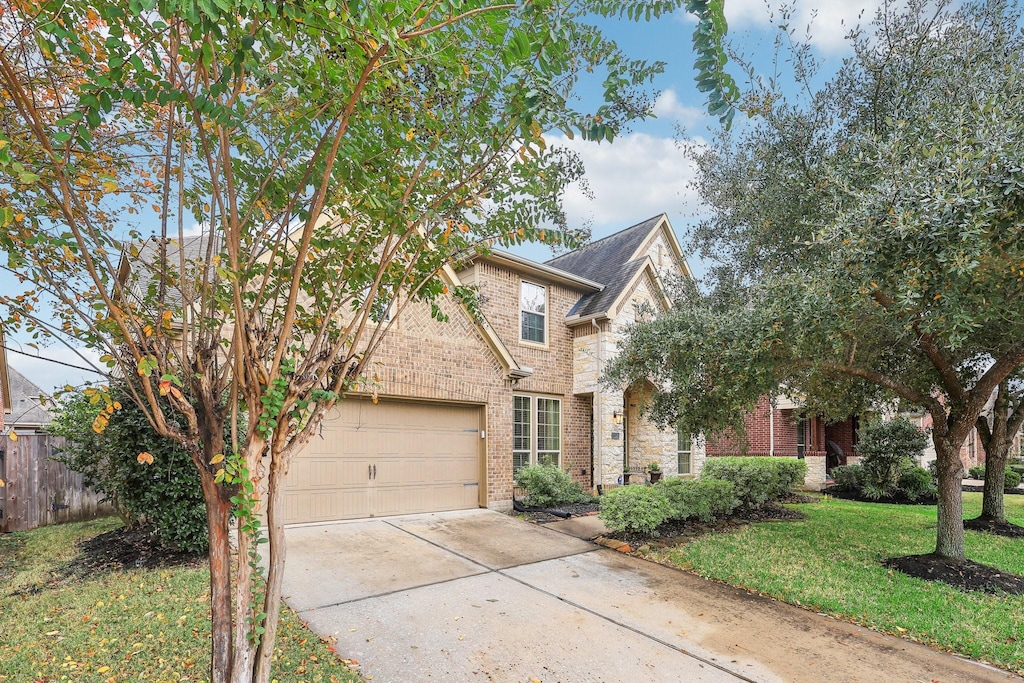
(588, 245)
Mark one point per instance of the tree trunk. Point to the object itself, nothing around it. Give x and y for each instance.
(276, 551)
(996, 439)
(218, 520)
(950, 530)
(992, 507)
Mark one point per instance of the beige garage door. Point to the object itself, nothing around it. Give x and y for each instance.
(392, 458)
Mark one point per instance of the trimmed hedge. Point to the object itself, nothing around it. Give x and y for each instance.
(916, 483)
(635, 508)
(699, 499)
(756, 480)
(849, 478)
(547, 486)
(1012, 480)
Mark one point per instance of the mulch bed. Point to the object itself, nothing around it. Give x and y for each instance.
(675, 532)
(116, 550)
(541, 516)
(123, 548)
(962, 574)
(991, 526)
(895, 500)
(974, 488)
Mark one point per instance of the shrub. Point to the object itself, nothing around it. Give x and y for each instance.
(166, 494)
(1012, 480)
(1018, 468)
(916, 483)
(888, 450)
(547, 486)
(756, 480)
(976, 472)
(699, 499)
(848, 478)
(635, 508)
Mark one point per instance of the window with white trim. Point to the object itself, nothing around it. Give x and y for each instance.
(536, 431)
(533, 312)
(684, 452)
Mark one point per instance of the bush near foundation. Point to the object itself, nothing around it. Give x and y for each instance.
(635, 508)
(756, 480)
(701, 500)
(547, 486)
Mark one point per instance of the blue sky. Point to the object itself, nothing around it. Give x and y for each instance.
(641, 174)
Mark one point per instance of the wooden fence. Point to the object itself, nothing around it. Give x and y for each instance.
(40, 491)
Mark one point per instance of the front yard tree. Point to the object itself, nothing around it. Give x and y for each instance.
(871, 239)
(234, 199)
(996, 434)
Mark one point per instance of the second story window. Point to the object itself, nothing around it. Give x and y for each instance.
(533, 312)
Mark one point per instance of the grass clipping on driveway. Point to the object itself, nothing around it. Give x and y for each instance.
(831, 562)
(121, 625)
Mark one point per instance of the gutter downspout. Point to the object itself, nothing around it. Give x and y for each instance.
(598, 442)
(771, 427)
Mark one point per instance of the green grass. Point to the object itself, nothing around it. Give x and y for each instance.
(121, 626)
(830, 563)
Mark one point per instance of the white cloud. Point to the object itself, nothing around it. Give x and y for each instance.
(670, 108)
(828, 22)
(634, 178)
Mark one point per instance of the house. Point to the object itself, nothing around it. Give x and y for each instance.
(779, 427)
(38, 490)
(461, 405)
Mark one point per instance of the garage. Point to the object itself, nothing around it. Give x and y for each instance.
(388, 458)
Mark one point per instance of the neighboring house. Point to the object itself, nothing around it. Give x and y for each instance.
(37, 490)
(779, 427)
(465, 403)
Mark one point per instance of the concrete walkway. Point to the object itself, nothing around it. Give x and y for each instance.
(480, 596)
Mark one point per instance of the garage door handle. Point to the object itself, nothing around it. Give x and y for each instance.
(369, 471)
(374, 471)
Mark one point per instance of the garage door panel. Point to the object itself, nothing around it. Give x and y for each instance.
(387, 459)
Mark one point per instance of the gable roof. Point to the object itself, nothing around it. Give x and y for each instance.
(138, 278)
(26, 398)
(616, 261)
(602, 261)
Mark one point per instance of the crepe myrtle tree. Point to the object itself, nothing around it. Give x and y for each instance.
(334, 158)
(870, 239)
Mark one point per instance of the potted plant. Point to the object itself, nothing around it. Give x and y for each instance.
(654, 470)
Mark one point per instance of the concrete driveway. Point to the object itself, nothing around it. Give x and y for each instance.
(481, 596)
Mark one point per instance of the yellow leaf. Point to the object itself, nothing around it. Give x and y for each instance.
(12, 436)
(148, 330)
(145, 458)
(2, 483)
(103, 669)
(109, 186)
(217, 458)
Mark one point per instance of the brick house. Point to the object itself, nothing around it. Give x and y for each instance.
(778, 427)
(463, 404)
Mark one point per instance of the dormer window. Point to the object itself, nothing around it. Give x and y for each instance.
(533, 312)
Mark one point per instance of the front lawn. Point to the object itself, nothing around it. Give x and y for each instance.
(831, 562)
(56, 625)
